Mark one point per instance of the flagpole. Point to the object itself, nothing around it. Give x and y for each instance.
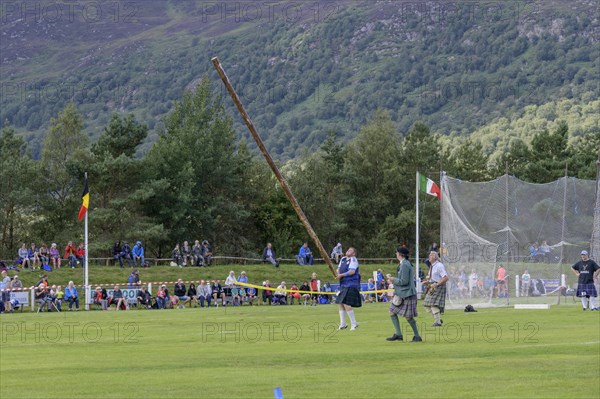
(87, 256)
(417, 223)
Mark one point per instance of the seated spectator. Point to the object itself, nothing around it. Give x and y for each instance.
(144, 298)
(197, 250)
(80, 254)
(269, 255)
(243, 296)
(117, 299)
(186, 253)
(55, 256)
(207, 252)
(217, 292)
(294, 295)
(242, 278)
(180, 292)
(250, 295)
(193, 294)
(230, 282)
(59, 295)
(162, 297)
(337, 253)
(173, 302)
(127, 254)
(16, 283)
(236, 298)
(117, 253)
(267, 294)
(325, 298)
(138, 254)
(100, 298)
(305, 295)
(134, 279)
(24, 257)
(304, 256)
(44, 254)
(43, 298)
(280, 297)
(545, 252)
(176, 256)
(314, 288)
(70, 254)
(204, 293)
(34, 256)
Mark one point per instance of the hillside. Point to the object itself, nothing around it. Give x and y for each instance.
(301, 68)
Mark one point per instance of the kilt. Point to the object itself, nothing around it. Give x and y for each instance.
(586, 289)
(407, 307)
(349, 296)
(437, 298)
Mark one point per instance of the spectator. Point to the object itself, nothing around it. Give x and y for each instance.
(204, 293)
(42, 297)
(243, 278)
(267, 293)
(127, 254)
(337, 253)
(525, 283)
(43, 281)
(52, 296)
(134, 279)
(176, 256)
(173, 302)
(144, 298)
(186, 253)
(501, 281)
(34, 256)
(314, 289)
(162, 297)
(44, 254)
(59, 295)
(217, 292)
(324, 298)
(80, 254)
(70, 254)
(138, 254)
(207, 252)
(269, 255)
(280, 294)
(305, 257)
(24, 257)
(16, 283)
(294, 294)
(251, 295)
(545, 252)
(5, 286)
(55, 256)
(117, 253)
(180, 292)
(370, 287)
(230, 282)
(193, 294)
(473, 282)
(100, 298)
(117, 299)
(197, 250)
(305, 294)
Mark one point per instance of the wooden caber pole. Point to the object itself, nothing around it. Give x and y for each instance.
(278, 175)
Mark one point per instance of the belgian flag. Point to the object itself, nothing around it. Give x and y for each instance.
(85, 197)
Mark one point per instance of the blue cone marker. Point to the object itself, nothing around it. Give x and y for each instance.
(278, 393)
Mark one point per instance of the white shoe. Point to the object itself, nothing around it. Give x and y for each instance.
(354, 327)
(343, 327)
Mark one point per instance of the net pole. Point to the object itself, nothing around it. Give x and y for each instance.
(595, 240)
(417, 223)
(562, 232)
(507, 231)
(278, 175)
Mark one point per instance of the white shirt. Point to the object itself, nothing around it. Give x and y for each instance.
(438, 271)
(230, 280)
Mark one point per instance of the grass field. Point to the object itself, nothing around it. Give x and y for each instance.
(246, 352)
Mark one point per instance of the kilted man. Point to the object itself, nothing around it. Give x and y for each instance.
(587, 270)
(435, 299)
(404, 302)
(349, 296)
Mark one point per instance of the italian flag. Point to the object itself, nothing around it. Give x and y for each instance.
(428, 186)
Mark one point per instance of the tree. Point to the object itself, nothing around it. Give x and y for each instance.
(121, 136)
(468, 162)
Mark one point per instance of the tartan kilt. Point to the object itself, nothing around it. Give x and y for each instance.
(586, 289)
(407, 307)
(349, 296)
(437, 298)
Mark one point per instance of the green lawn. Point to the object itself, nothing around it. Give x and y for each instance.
(246, 352)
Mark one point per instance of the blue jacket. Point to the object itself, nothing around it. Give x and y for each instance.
(71, 293)
(137, 249)
(265, 253)
(304, 251)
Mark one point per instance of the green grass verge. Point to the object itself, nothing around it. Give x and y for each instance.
(246, 352)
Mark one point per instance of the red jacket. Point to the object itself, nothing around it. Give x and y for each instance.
(70, 250)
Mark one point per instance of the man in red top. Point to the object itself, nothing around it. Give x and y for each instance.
(70, 254)
(314, 288)
(501, 280)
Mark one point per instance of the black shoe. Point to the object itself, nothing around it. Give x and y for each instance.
(395, 338)
(436, 324)
(417, 339)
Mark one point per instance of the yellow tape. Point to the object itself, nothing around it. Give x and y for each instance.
(260, 287)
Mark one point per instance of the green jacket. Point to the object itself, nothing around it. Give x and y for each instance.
(404, 285)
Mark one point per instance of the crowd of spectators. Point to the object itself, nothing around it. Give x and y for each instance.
(38, 258)
(200, 254)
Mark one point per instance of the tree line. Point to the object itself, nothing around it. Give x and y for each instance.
(198, 182)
